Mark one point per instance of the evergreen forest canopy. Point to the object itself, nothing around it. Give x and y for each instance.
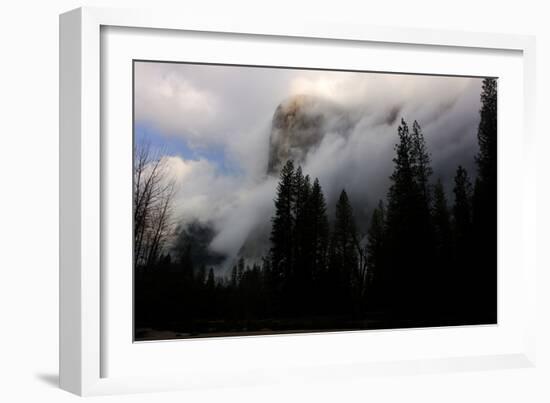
(423, 261)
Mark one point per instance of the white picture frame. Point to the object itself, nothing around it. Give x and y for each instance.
(83, 307)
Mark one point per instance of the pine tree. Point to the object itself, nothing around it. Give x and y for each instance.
(442, 224)
(464, 280)
(462, 209)
(420, 162)
(316, 239)
(268, 295)
(300, 286)
(319, 229)
(404, 256)
(343, 253)
(443, 275)
(282, 239)
(422, 171)
(375, 248)
(302, 189)
(283, 223)
(403, 192)
(487, 133)
(485, 204)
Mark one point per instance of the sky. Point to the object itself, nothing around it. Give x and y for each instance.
(214, 126)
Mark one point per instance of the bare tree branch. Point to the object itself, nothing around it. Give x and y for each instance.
(154, 191)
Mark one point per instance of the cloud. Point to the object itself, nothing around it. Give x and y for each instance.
(231, 108)
(201, 192)
(211, 106)
(233, 207)
(446, 108)
(252, 210)
(171, 102)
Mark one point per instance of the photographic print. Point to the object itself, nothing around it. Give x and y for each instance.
(274, 200)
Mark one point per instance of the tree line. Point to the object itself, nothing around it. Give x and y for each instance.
(421, 262)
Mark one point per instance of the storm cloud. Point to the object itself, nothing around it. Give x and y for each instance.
(349, 141)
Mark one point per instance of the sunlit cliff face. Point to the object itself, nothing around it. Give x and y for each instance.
(299, 125)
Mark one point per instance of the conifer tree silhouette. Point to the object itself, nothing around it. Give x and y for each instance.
(282, 231)
(375, 253)
(343, 253)
(443, 270)
(404, 250)
(485, 202)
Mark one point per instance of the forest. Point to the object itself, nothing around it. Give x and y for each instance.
(429, 258)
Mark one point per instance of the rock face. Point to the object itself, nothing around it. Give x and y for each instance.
(299, 125)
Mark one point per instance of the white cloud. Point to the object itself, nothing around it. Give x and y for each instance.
(201, 192)
(231, 205)
(171, 103)
(232, 108)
